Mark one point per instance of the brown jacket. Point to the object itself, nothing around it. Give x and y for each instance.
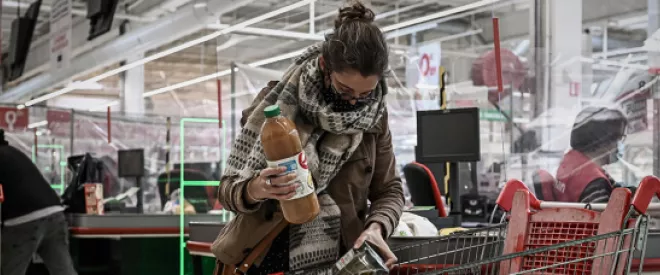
(370, 174)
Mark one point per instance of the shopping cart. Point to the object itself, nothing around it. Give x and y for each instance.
(545, 238)
(419, 256)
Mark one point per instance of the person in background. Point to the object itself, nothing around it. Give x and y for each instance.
(33, 221)
(596, 140)
(335, 93)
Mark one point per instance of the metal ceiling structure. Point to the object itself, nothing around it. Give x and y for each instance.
(155, 26)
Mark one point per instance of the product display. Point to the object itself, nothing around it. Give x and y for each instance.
(283, 148)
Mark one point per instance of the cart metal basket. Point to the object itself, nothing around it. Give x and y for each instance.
(546, 238)
(537, 237)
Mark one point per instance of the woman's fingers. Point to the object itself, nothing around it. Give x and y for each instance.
(282, 180)
(390, 258)
(268, 172)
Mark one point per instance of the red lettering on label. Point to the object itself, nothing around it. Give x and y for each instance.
(302, 159)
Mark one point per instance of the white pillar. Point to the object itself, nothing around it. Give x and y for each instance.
(132, 101)
(565, 28)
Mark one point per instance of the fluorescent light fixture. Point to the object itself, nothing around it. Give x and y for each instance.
(277, 58)
(186, 83)
(412, 29)
(441, 14)
(199, 5)
(37, 124)
(77, 85)
(104, 106)
(175, 49)
(272, 32)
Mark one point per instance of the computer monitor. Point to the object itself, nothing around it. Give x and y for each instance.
(450, 135)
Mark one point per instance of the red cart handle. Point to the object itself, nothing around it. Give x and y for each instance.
(649, 187)
(505, 199)
(2, 195)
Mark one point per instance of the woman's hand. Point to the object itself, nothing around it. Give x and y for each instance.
(374, 236)
(277, 188)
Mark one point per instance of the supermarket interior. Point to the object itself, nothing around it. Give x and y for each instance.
(191, 137)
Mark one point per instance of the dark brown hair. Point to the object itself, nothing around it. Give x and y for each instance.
(356, 43)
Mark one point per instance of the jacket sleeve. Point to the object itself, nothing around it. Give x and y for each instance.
(597, 191)
(385, 191)
(231, 193)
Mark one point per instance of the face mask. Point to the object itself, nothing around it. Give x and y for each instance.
(332, 96)
(617, 154)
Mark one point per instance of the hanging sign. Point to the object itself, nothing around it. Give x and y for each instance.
(60, 39)
(429, 65)
(13, 119)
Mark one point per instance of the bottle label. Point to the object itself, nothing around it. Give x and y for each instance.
(296, 164)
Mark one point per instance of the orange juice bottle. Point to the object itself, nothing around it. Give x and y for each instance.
(282, 147)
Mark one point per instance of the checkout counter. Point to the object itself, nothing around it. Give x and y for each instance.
(131, 243)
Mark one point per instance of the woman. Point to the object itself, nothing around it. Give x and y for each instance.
(596, 140)
(334, 92)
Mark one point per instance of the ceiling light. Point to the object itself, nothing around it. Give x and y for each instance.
(37, 124)
(445, 13)
(77, 85)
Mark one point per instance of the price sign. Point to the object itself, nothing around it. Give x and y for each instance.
(13, 118)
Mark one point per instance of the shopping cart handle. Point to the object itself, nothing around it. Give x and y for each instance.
(505, 199)
(649, 187)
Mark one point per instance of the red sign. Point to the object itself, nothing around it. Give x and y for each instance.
(425, 65)
(13, 118)
(59, 122)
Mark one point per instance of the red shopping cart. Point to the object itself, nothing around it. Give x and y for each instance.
(547, 238)
(538, 237)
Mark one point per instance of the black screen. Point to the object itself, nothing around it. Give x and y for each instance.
(130, 163)
(451, 135)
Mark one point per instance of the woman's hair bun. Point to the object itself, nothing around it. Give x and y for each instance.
(355, 12)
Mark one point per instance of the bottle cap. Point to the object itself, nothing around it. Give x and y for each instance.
(272, 111)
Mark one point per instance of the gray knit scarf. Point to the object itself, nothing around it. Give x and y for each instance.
(328, 138)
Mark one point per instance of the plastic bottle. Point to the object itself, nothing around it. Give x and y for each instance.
(282, 147)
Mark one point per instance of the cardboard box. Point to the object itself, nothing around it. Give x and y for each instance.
(94, 198)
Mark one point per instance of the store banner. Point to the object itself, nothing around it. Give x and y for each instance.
(429, 65)
(12, 119)
(60, 40)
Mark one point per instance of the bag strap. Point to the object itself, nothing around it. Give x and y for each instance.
(258, 250)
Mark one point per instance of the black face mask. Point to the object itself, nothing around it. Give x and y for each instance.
(333, 97)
